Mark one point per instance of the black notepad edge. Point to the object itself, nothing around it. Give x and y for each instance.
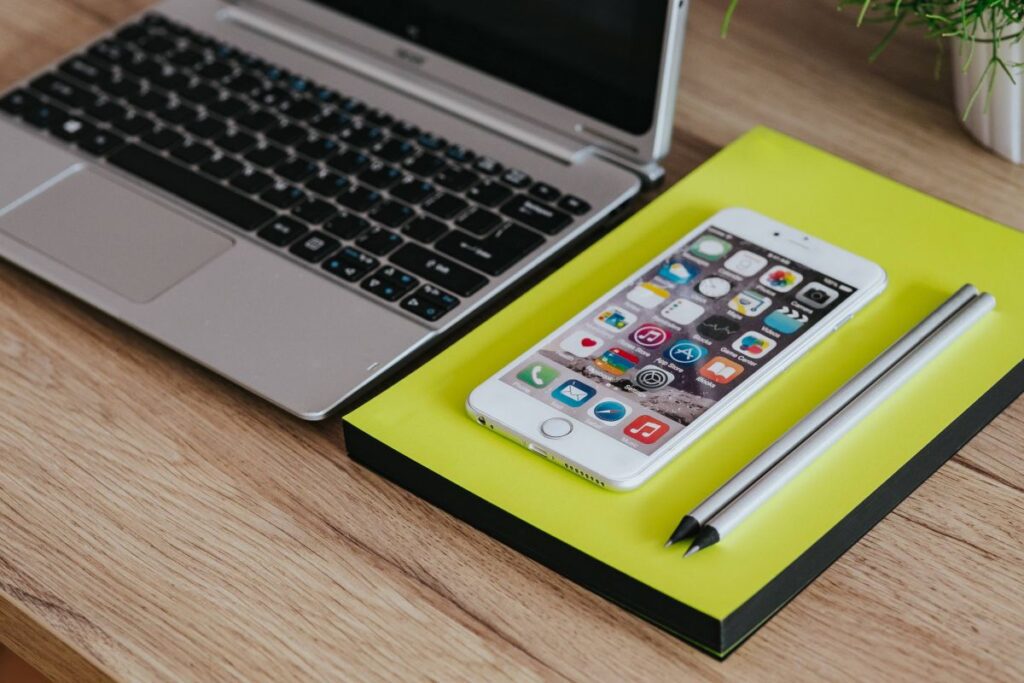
(717, 637)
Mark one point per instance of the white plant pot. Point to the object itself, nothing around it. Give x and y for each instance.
(998, 122)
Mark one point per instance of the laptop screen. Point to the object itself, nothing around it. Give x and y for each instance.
(599, 57)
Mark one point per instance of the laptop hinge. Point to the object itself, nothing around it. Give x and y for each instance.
(322, 45)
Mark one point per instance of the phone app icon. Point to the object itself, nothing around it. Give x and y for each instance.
(714, 287)
(745, 263)
(537, 375)
(610, 412)
(651, 377)
(650, 336)
(678, 272)
(684, 352)
(616, 361)
(616, 318)
(750, 303)
(710, 248)
(817, 295)
(754, 345)
(646, 429)
(785, 320)
(718, 327)
(574, 393)
(780, 278)
(647, 295)
(682, 312)
(581, 344)
(721, 370)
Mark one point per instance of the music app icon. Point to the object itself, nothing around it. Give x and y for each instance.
(646, 429)
(650, 336)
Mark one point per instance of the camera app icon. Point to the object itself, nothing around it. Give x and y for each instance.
(817, 295)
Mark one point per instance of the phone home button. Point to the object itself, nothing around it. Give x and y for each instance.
(556, 427)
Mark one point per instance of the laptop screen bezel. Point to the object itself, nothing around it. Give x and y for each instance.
(421, 62)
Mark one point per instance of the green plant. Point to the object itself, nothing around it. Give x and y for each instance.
(995, 22)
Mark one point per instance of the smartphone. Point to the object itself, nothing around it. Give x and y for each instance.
(627, 385)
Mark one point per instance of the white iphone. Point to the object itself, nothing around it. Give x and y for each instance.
(625, 386)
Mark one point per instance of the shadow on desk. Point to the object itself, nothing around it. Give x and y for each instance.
(14, 670)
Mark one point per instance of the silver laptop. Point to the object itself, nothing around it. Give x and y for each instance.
(304, 196)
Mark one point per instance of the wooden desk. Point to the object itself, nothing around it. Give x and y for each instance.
(157, 523)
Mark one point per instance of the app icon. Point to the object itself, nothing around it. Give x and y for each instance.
(616, 318)
(710, 248)
(581, 344)
(682, 312)
(817, 295)
(721, 370)
(647, 295)
(678, 272)
(754, 345)
(718, 327)
(745, 263)
(616, 361)
(685, 352)
(652, 377)
(650, 336)
(609, 411)
(714, 287)
(574, 393)
(646, 429)
(780, 278)
(750, 303)
(785, 320)
(537, 375)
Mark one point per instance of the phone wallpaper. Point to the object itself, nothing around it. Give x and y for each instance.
(657, 354)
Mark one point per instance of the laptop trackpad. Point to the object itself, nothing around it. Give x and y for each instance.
(112, 235)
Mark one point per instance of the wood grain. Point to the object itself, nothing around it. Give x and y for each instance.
(159, 524)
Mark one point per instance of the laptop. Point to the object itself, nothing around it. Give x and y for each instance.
(304, 195)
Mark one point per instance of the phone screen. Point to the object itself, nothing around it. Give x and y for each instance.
(661, 351)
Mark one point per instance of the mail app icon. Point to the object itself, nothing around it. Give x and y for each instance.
(574, 393)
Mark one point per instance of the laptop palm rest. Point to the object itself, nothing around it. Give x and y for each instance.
(119, 238)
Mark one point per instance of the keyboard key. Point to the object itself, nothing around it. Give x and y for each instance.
(412, 190)
(380, 176)
(545, 192)
(252, 181)
(286, 133)
(207, 128)
(489, 193)
(206, 194)
(221, 167)
(479, 221)
(389, 283)
(359, 198)
(378, 241)
(235, 141)
(391, 214)
(317, 148)
(459, 154)
(162, 138)
(573, 205)
(425, 229)
(257, 120)
(192, 152)
(347, 226)
(130, 123)
(331, 122)
(266, 155)
(431, 141)
(456, 179)
(438, 269)
(227, 106)
(296, 169)
(178, 113)
(282, 231)
(62, 90)
(71, 128)
(536, 215)
(328, 184)
(429, 302)
(352, 106)
(82, 69)
(315, 247)
(405, 130)
(283, 196)
(349, 161)
(361, 136)
(445, 205)
(393, 149)
(488, 166)
(350, 264)
(314, 211)
(378, 117)
(215, 71)
(149, 100)
(515, 178)
(43, 115)
(492, 255)
(17, 102)
(198, 92)
(424, 165)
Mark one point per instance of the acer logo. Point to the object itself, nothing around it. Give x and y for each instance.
(410, 57)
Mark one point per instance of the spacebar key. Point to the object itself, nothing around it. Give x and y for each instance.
(438, 269)
(194, 188)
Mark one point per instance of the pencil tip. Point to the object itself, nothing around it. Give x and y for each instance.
(688, 526)
(706, 537)
(695, 547)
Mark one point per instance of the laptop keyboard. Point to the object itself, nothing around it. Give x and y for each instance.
(372, 200)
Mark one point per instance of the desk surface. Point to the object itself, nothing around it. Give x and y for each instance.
(157, 523)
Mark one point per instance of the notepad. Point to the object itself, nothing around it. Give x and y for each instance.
(417, 432)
